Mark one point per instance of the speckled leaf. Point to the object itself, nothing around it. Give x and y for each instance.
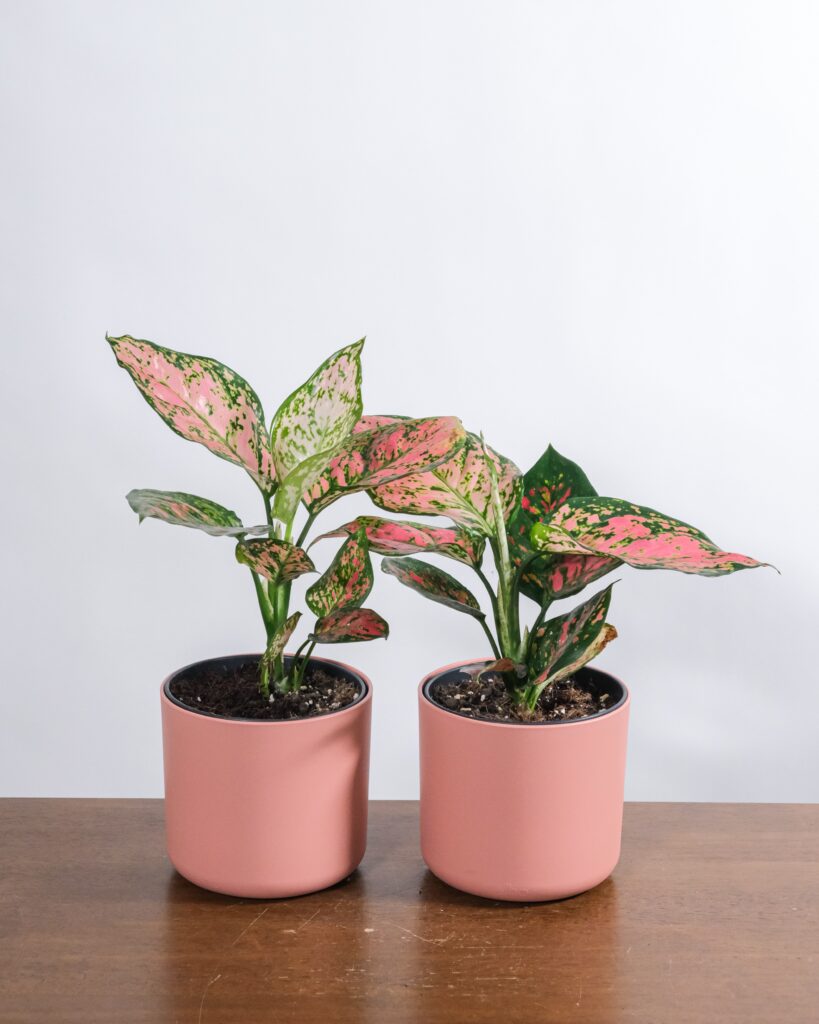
(320, 414)
(297, 481)
(372, 422)
(433, 583)
(394, 537)
(564, 644)
(546, 486)
(350, 625)
(373, 457)
(202, 401)
(276, 560)
(458, 488)
(280, 639)
(185, 510)
(347, 582)
(638, 536)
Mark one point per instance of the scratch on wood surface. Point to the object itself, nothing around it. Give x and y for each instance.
(246, 930)
(312, 917)
(204, 994)
(436, 942)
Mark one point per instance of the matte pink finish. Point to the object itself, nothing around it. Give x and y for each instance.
(267, 809)
(521, 812)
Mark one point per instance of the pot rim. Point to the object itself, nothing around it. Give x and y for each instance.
(618, 708)
(364, 697)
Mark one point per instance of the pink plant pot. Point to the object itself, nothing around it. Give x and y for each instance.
(522, 811)
(266, 809)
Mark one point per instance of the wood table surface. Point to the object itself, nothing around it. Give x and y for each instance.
(711, 915)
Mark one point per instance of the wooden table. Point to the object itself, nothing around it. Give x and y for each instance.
(712, 915)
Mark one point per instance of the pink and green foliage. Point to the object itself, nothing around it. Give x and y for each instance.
(320, 414)
(396, 537)
(202, 401)
(347, 625)
(459, 488)
(317, 449)
(371, 422)
(565, 643)
(278, 641)
(186, 510)
(433, 583)
(370, 458)
(546, 486)
(638, 536)
(550, 536)
(347, 582)
(275, 560)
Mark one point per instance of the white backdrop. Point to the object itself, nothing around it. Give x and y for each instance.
(587, 223)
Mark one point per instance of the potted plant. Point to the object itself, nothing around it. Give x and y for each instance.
(267, 755)
(523, 749)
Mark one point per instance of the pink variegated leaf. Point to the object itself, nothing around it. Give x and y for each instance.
(277, 560)
(347, 582)
(373, 457)
(564, 644)
(279, 640)
(565, 575)
(548, 484)
(320, 413)
(201, 400)
(350, 625)
(638, 536)
(394, 537)
(182, 509)
(433, 583)
(459, 488)
(372, 422)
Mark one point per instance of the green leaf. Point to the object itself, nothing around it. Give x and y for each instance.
(320, 414)
(548, 484)
(347, 582)
(372, 457)
(279, 640)
(394, 537)
(564, 644)
(276, 560)
(638, 536)
(201, 400)
(459, 488)
(297, 481)
(182, 509)
(350, 625)
(433, 583)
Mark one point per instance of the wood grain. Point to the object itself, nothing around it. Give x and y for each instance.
(712, 915)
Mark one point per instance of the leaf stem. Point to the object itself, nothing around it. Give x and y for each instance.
(490, 638)
(299, 666)
(306, 529)
(507, 611)
(489, 589)
(264, 604)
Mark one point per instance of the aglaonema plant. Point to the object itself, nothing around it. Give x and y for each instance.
(550, 535)
(317, 449)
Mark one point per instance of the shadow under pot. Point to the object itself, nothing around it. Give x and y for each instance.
(265, 809)
(522, 811)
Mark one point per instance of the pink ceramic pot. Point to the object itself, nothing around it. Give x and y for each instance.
(526, 811)
(266, 809)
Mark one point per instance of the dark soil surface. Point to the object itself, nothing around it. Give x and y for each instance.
(235, 694)
(487, 698)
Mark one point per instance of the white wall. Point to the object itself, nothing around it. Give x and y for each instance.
(586, 223)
